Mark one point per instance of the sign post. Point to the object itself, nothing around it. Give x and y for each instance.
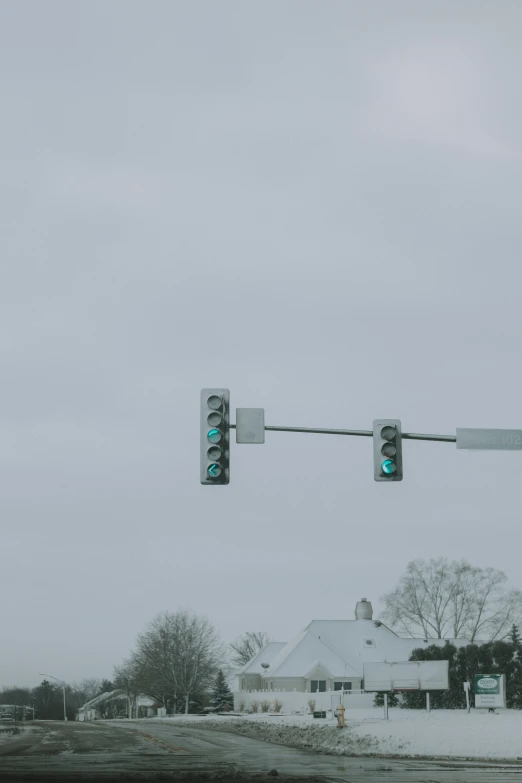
(466, 690)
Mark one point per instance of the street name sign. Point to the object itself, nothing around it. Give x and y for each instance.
(489, 440)
(250, 425)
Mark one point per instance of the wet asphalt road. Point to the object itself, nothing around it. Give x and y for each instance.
(145, 750)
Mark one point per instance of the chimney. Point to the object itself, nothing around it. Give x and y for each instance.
(363, 610)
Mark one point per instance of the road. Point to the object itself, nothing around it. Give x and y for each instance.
(147, 750)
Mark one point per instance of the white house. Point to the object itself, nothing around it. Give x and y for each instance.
(328, 655)
(250, 676)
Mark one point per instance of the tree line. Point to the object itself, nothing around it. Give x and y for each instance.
(179, 661)
(47, 698)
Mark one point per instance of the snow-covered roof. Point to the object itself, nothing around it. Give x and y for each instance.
(298, 657)
(107, 696)
(266, 655)
(342, 647)
(142, 700)
(318, 671)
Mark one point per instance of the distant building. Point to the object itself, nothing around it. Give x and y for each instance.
(115, 704)
(10, 712)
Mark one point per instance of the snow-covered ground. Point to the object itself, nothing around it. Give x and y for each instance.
(9, 731)
(441, 733)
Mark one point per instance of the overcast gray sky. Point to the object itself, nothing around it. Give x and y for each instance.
(315, 204)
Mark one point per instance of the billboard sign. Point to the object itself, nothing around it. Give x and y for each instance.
(490, 691)
(406, 676)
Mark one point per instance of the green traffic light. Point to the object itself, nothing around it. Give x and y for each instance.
(388, 466)
(214, 435)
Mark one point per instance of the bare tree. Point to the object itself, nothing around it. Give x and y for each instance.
(127, 679)
(80, 693)
(494, 607)
(248, 645)
(111, 706)
(443, 599)
(88, 688)
(178, 656)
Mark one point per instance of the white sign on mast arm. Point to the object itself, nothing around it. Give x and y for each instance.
(490, 440)
(406, 676)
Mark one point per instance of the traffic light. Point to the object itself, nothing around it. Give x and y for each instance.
(215, 436)
(387, 450)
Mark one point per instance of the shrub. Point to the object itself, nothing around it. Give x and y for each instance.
(311, 704)
(265, 705)
(254, 706)
(393, 700)
(278, 705)
(241, 706)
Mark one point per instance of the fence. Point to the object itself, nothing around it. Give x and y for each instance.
(297, 701)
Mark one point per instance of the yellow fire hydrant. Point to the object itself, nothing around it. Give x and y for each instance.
(339, 714)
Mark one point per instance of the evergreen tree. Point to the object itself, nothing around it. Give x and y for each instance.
(514, 687)
(105, 686)
(393, 699)
(500, 657)
(48, 701)
(221, 694)
(449, 699)
(514, 635)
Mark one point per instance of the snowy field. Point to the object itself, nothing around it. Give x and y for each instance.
(440, 734)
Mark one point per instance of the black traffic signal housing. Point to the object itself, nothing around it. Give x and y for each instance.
(215, 436)
(387, 450)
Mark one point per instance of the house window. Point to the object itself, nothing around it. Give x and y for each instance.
(342, 686)
(318, 685)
